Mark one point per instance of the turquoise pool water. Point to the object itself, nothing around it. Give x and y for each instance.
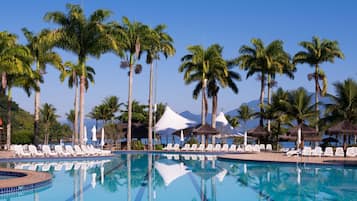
(160, 177)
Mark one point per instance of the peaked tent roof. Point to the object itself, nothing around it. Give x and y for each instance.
(344, 127)
(172, 121)
(223, 126)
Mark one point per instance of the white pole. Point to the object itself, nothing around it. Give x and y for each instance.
(299, 138)
(245, 138)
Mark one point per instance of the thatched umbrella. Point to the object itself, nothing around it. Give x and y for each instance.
(205, 130)
(258, 132)
(345, 127)
(307, 134)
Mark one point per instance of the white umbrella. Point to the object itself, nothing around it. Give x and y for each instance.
(102, 140)
(245, 138)
(85, 139)
(93, 182)
(299, 137)
(94, 134)
(181, 136)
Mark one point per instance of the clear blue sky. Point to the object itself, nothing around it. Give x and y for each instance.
(231, 23)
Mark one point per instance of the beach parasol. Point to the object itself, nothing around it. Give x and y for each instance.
(85, 139)
(94, 134)
(181, 136)
(102, 139)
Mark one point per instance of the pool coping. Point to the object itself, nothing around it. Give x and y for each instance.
(30, 180)
(278, 157)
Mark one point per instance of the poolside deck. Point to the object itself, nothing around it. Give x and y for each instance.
(281, 157)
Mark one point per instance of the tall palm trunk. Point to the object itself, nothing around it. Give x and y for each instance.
(261, 123)
(214, 110)
(81, 110)
(128, 141)
(75, 124)
(36, 126)
(203, 107)
(150, 106)
(317, 91)
(8, 125)
(269, 97)
(3, 83)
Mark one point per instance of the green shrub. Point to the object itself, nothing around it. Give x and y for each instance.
(192, 140)
(137, 145)
(158, 147)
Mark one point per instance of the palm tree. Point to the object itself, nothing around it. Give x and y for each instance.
(113, 105)
(139, 113)
(344, 103)
(15, 64)
(41, 46)
(71, 117)
(266, 60)
(73, 72)
(161, 43)
(220, 75)
(233, 121)
(84, 37)
(196, 66)
(245, 113)
(276, 111)
(317, 52)
(298, 105)
(130, 37)
(48, 117)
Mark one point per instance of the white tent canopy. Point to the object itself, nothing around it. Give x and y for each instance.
(170, 172)
(223, 126)
(171, 122)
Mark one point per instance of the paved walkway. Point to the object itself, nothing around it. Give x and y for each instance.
(281, 157)
(7, 154)
(29, 179)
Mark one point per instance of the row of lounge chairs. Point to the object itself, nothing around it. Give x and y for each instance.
(219, 148)
(317, 151)
(58, 151)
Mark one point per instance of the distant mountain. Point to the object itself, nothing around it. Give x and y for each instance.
(254, 104)
(195, 117)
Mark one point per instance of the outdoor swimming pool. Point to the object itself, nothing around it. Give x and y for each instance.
(160, 177)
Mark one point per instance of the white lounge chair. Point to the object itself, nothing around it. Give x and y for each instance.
(59, 150)
(193, 147)
(79, 151)
(248, 148)
(69, 149)
(85, 149)
(209, 147)
(350, 152)
(317, 151)
(186, 147)
(99, 151)
(269, 147)
(201, 147)
(20, 152)
(168, 147)
(176, 147)
(293, 152)
(256, 148)
(225, 148)
(306, 151)
(339, 152)
(262, 147)
(328, 151)
(47, 151)
(232, 148)
(240, 148)
(34, 152)
(217, 147)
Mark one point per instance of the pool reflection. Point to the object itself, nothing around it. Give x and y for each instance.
(155, 177)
